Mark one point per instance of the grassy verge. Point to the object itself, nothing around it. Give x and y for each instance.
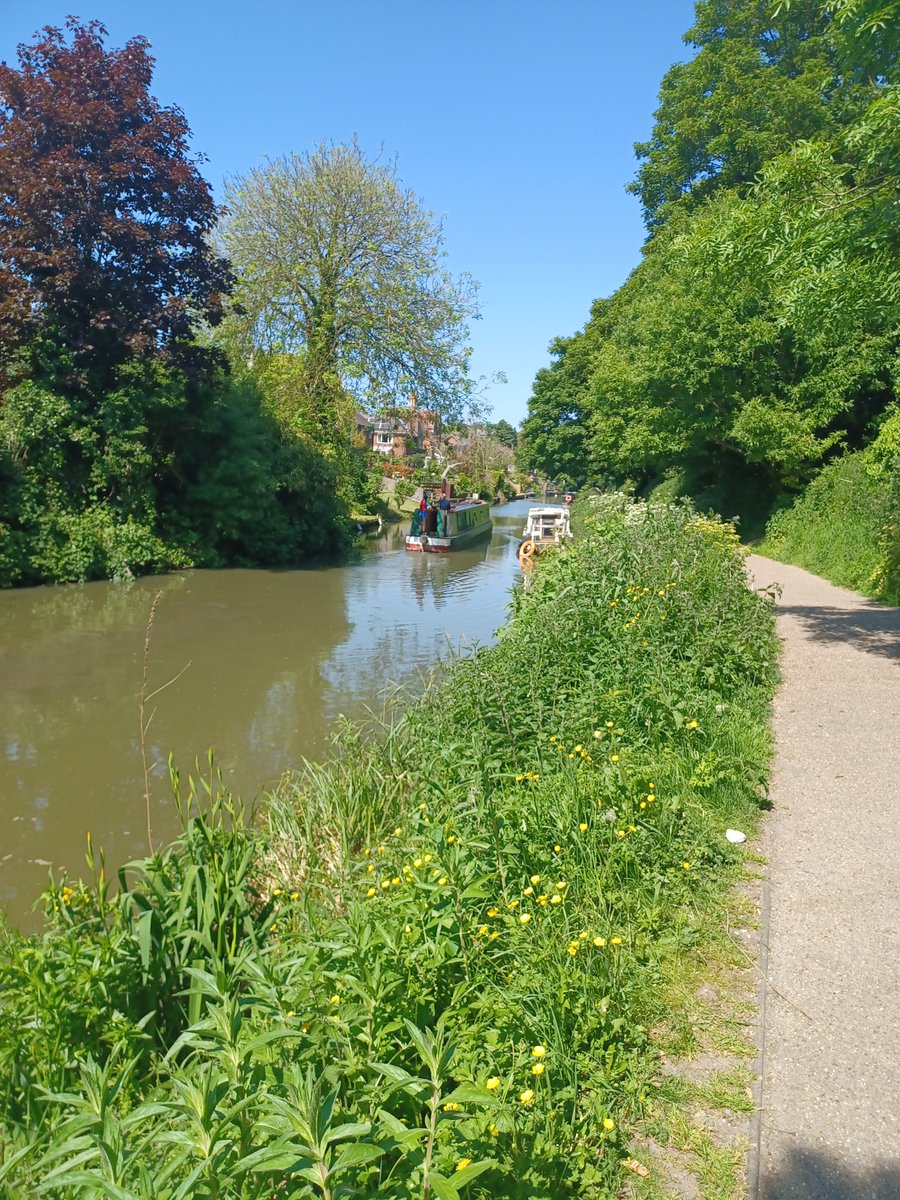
(438, 965)
(846, 525)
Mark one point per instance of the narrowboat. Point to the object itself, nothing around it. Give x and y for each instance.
(437, 532)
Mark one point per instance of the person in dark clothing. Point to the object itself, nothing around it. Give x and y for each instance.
(443, 515)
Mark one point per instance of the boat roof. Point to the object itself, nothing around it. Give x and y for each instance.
(549, 510)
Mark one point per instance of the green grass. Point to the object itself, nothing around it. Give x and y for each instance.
(845, 527)
(437, 965)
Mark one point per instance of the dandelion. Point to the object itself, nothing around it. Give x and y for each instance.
(538, 1068)
(599, 942)
(686, 865)
(535, 879)
(527, 1096)
(493, 1083)
(539, 1051)
(620, 833)
(556, 849)
(463, 1163)
(583, 826)
(525, 918)
(493, 912)
(557, 899)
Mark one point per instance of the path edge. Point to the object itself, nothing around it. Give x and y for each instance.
(754, 1151)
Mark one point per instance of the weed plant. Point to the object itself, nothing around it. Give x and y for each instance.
(430, 968)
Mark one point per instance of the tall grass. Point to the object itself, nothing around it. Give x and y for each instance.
(846, 525)
(429, 970)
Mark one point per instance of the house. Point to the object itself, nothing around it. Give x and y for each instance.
(415, 432)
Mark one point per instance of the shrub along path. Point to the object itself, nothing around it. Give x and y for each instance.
(830, 1127)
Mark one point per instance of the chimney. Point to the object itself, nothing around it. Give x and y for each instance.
(413, 403)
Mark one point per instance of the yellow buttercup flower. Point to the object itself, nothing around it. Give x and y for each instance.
(525, 918)
(616, 941)
(583, 826)
(483, 930)
(335, 1000)
(599, 941)
(539, 1051)
(608, 1124)
(562, 885)
(493, 1083)
(557, 899)
(535, 879)
(529, 891)
(397, 831)
(493, 912)
(538, 1068)
(686, 865)
(372, 892)
(542, 901)
(463, 1163)
(614, 758)
(573, 947)
(527, 1096)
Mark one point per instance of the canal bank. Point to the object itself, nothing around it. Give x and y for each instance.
(463, 928)
(270, 659)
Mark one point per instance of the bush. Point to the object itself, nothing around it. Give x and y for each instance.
(846, 525)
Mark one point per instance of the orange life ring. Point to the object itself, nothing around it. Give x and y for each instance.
(528, 549)
(568, 498)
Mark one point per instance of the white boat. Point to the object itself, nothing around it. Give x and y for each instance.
(438, 532)
(547, 525)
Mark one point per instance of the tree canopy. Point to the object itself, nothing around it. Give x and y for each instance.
(760, 335)
(337, 263)
(104, 216)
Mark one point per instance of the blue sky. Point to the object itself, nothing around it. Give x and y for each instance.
(514, 118)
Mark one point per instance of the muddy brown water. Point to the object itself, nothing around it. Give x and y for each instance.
(274, 658)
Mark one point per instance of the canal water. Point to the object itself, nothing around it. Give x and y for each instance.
(266, 662)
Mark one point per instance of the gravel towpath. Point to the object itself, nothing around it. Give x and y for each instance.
(830, 1121)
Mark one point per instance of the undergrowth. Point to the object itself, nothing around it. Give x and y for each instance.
(846, 525)
(432, 967)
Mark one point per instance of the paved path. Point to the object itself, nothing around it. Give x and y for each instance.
(830, 1124)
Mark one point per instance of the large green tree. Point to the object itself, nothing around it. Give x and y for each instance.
(340, 265)
(757, 84)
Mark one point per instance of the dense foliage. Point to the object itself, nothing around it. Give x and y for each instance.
(758, 339)
(433, 968)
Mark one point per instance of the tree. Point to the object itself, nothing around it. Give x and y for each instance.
(337, 263)
(503, 432)
(758, 83)
(104, 217)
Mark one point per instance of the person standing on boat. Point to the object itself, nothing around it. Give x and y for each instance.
(444, 517)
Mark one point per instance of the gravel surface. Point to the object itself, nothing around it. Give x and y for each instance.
(830, 1123)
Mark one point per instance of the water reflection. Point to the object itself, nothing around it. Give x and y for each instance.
(274, 658)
